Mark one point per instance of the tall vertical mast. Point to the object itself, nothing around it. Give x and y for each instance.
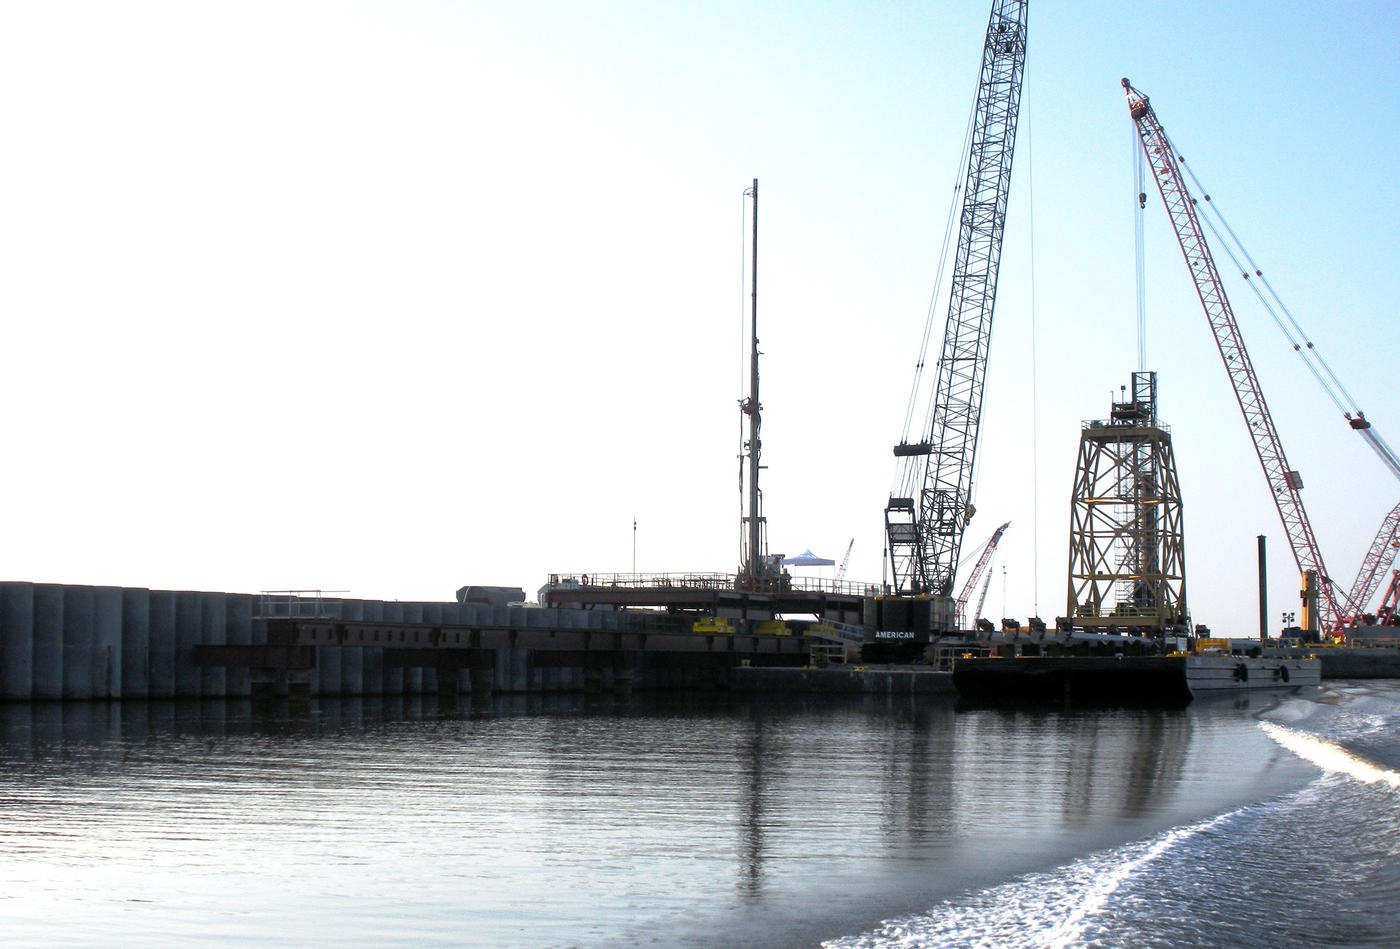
(753, 559)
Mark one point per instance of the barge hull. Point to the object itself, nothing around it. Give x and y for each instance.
(1147, 681)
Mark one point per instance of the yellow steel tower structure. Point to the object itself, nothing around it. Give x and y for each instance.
(1127, 561)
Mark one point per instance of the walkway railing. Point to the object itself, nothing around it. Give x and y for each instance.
(298, 604)
(704, 581)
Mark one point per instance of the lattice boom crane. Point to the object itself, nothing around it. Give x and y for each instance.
(928, 512)
(977, 570)
(1284, 482)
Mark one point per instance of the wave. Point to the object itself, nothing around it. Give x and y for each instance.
(1051, 909)
(1330, 756)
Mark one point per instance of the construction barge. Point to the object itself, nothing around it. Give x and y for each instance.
(1156, 681)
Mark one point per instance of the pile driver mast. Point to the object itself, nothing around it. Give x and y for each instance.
(1284, 482)
(928, 512)
(757, 568)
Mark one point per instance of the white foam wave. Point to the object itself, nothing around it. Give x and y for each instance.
(1331, 757)
(1051, 909)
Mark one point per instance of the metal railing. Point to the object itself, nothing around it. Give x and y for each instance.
(298, 604)
(705, 581)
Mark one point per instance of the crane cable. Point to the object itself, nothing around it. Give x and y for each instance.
(1035, 396)
(1139, 247)
(743, 349)
(1337, 391)
(960, 172)
(1297, 338)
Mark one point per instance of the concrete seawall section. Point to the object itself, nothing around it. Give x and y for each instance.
(68, 642)
(75, 642)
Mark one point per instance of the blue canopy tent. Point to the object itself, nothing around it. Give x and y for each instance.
(807, 559)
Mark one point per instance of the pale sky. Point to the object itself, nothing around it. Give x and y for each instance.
(394, 297)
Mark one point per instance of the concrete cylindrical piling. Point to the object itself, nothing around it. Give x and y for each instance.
(352, 679)
(162, 644)
(372, 668)
(238, 631)
(136, 643)
(624, 673)
(16, 642)
(213, 630)
(432, 613)
(107, 638)
(413, 678)
(48, 641)
(187, 633)
(78, 642)
(483, 675)
(393, 677)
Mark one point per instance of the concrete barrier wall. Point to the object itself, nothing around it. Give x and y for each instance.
(77, 642)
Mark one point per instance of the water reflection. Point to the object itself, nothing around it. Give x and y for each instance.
(587, 812)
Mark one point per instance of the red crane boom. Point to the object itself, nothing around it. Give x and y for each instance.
(1284, 482)
(1378, 558)
(982, 561)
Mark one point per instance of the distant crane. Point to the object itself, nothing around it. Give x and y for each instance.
(1388, 614)
(845, 561)
(982, 599)
(930, 507)
(1378, 559)
(988, 549)
(1284, 482)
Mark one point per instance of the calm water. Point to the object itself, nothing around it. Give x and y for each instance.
(704, 821)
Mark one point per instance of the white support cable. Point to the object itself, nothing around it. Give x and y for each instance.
(1140, 247)
(949, 233)
(1298, 338)
(1253, 285)
(1035, 392)
(743, 350)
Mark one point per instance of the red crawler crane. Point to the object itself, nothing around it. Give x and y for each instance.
(1389, 612)
(1284, 482)
(972, 578)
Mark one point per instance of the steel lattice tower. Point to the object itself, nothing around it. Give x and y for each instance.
(1127, 561)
